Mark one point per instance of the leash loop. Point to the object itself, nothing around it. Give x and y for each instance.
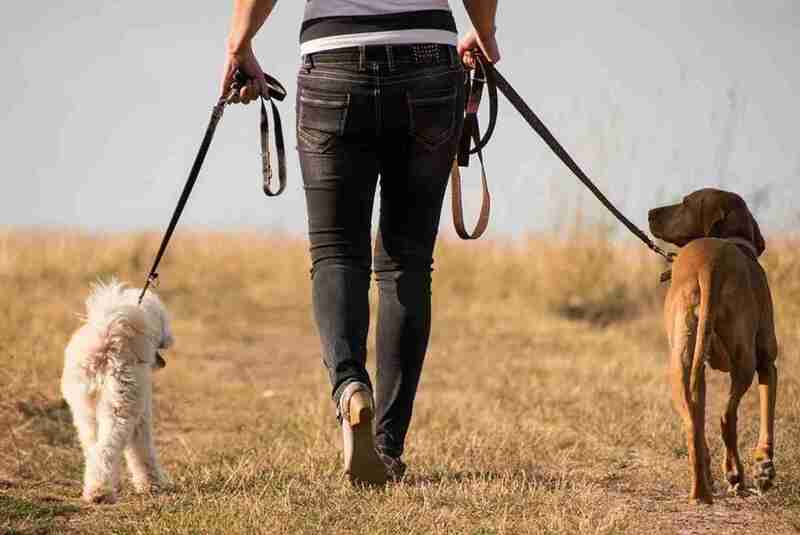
(276, 91)
(472, 143)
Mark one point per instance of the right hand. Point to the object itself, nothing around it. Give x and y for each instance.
(245, 61)
(487, 45)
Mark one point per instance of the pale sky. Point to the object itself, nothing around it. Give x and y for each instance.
(105, 103)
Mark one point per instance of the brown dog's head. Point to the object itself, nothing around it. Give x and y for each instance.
(706, 213)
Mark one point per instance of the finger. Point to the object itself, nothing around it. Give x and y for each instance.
(468, 59)
(231, 90)
(224, 85)
(464, 45)
(243, 95)
(227, 78)
(253, 89)
(233, 95)
(263, 87)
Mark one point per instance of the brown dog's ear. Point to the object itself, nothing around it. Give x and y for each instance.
(712, 223)
(758, 239)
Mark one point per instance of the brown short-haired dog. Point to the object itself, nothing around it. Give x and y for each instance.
(718, 311)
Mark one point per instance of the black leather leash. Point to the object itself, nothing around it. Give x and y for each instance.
(276, 92)
(486, 73)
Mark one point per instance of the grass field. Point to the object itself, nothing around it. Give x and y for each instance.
(544, 406)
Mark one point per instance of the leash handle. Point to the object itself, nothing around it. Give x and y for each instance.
(275, 91)
(473, 143)
(456, 194)
(482, 75)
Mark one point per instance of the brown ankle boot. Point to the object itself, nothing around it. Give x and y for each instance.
(361, 462)
(395, 468)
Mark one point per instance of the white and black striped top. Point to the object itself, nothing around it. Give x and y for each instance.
(330, 24)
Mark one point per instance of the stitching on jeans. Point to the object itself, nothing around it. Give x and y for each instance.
(336, 76)
(390, 58)
(418, 77)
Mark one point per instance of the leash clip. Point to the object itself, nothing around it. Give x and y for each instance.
(152, 280)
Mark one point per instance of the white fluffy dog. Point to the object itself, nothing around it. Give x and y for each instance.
(107, 383)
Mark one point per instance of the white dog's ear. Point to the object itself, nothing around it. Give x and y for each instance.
(167, 339)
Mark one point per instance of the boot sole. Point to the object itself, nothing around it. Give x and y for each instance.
(365, 467)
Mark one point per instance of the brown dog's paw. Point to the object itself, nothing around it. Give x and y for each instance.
(763, 475)
(735, 482)
(701, 500)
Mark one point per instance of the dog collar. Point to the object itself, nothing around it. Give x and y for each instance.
(744, 245)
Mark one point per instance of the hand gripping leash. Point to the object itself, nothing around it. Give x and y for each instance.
(486, 73)
(276, 91)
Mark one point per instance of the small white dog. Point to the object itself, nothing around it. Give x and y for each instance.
(107, 383)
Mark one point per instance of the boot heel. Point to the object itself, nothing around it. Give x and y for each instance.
(360, 409)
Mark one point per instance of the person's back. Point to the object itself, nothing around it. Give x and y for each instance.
(331, 24)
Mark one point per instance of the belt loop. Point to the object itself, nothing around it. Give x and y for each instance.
(453, 53)
(362, 58)
(390, 57)
(308, 61)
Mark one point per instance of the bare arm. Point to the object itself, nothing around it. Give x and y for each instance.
(248, 17)
(482, 13)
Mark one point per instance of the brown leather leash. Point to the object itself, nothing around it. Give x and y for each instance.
(276, 91)
(487, 74)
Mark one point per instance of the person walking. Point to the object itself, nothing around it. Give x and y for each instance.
(380, 93)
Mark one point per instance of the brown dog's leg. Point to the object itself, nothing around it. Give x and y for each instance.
(764, 469)
(701, 489)
(732, 465)
(693, 416)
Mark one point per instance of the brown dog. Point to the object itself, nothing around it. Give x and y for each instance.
(718, 311)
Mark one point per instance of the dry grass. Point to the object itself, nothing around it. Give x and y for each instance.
(544, 406)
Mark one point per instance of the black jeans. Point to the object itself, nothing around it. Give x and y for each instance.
(397, 113)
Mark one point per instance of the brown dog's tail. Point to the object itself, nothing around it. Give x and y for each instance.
(704, 323)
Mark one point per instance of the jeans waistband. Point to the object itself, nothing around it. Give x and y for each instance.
(391, 55)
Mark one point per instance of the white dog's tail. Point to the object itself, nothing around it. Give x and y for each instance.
(113, 318)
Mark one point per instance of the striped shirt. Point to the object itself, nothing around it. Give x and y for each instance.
(330, 24)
